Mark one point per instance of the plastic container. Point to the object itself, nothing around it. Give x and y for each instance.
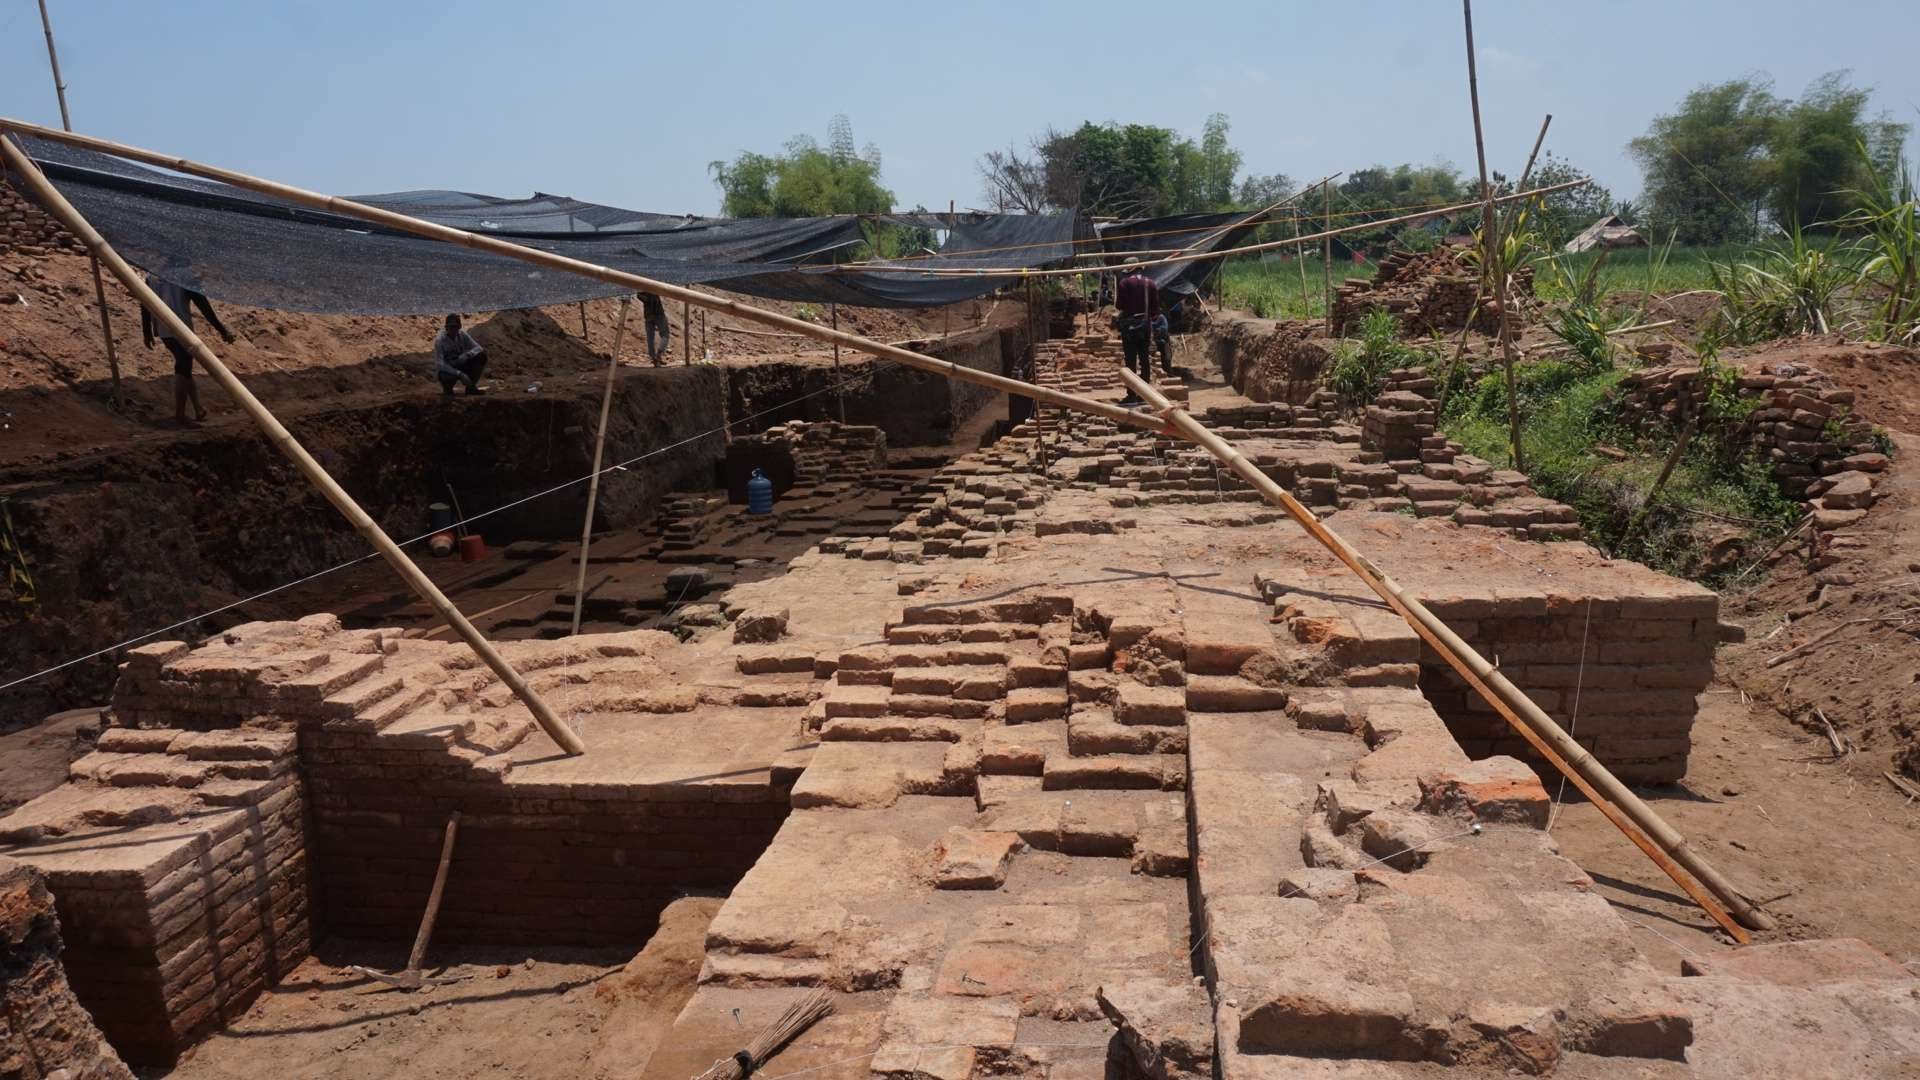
(472, 548)
(759, 493)
(439, 516)
(441, 543)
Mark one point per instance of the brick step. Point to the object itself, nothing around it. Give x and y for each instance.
(974, 682)
(1153, 772)
(1092, 732)
(1231, 693)
(856, 700)
(1030, 610)
(951, 654)
(935, 705)
(1137, 703)
(900, 729)
(940, 634)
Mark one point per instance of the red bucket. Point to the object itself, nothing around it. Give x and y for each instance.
(473, 548)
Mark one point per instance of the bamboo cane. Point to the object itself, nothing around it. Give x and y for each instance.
(1653, 835)
(599, 448)
(1493, 258)
(49, 197)
(1326, 254)
(839, 392)
(635, 282)
(99, 287)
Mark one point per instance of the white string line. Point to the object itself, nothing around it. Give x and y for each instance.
(1573, 720)
(616, 466)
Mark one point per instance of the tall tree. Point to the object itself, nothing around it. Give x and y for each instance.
(805, 179)
(1706, 164)
(1816, 151)
(1563, 214)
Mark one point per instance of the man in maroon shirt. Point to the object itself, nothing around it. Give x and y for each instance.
(1138, 299)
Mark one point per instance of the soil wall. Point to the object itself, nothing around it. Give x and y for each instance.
(1263, 359)
(128, 542)
(914, 408)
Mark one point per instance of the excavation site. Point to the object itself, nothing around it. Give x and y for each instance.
(1033, 642)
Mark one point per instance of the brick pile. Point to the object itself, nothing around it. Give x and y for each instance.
(1805, 427)
(1427, 292)
(28, 230)
(178, 860)
(44, 1031)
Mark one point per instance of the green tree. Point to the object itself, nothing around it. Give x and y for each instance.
(805, 179)
(1706, 165)
(1118, 170)
(1562, 215)
(1816, 152)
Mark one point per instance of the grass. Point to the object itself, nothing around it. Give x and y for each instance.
(1626, 270)
(1270, 287)
(1566, 418)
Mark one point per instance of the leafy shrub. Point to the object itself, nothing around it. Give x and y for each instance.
(1361, 365)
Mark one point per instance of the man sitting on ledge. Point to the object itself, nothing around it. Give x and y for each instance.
(457, 357)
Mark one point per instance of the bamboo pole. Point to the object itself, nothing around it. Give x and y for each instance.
(1653, 835)
(839, 392)
(1326, 253)
(686, 333)
(49, 197)
(1660, 482)
(419, 227)
(599, 450)
(1492, 257)
(99, 287)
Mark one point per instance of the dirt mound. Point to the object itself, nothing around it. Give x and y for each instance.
(1884, 378)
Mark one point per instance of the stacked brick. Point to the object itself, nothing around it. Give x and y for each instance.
(28, 230)
(44, 1031)
(179, 862)
(825, 450)
(1428, 291)
(1804, 426)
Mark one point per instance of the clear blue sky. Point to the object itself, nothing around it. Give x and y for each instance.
(626, 103)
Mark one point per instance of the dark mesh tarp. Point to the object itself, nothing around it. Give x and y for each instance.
(245, 248)
(1188, 231)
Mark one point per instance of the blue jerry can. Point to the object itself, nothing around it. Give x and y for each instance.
(759, 493)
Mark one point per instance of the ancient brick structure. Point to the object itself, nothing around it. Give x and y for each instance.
(1426, 292)
(25, 229)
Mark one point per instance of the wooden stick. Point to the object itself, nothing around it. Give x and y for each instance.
(599, 449)
(1326, 254)
(839, 392)
(1906, 786)
(99, 288)
(1799, 650)
(1666, 470)
(1492, 257)
(1777, 545)
(480, 614)
(432, 914)
(1646, 829)
(419, 227)
(49, 197)
(686, 333)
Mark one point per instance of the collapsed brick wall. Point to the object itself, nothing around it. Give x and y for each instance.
(44, 1032)
(1427, 292)
(27, 229)
(178, 863)
(1801, 424)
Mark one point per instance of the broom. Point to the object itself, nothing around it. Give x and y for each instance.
(798, 1018)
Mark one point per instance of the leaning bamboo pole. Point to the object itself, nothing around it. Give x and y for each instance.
(429, 229)
(599, 449)
(1661, 842)
(1481, 676)
(50, 198)
(1493, 251)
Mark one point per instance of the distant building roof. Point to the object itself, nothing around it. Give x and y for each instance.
(1608, 232)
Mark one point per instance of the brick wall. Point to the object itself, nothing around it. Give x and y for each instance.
(178, 863)
(1632, 667)
(27, 229)
(44, 1032)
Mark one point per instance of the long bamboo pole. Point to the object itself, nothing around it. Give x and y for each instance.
(1492, 256)
(49, 197)
(99, 287)
(1326, 254)
(429, 229)
(1191, 256)
(599, 449)
(1665, 846)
